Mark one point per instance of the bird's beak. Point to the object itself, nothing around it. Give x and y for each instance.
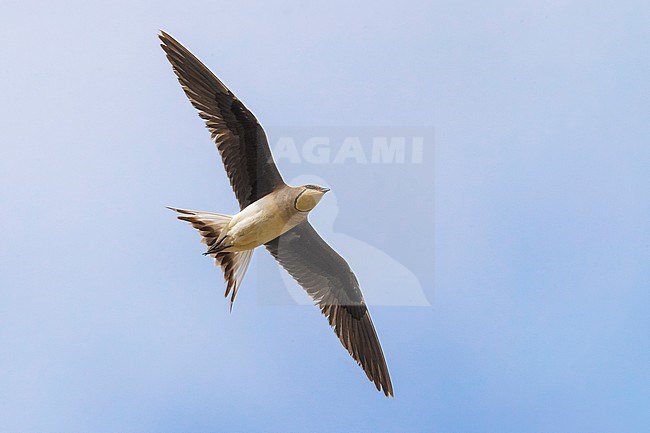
(324, 190)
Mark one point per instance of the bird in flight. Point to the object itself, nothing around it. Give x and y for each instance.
(273, 214)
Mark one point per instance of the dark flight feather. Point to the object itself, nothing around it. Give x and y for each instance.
(330, 282)
(238, 135)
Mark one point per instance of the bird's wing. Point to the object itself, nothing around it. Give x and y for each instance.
(328, 279)
(239, 136)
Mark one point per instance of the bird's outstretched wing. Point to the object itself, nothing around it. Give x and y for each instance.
(239, 136)
(328, 279)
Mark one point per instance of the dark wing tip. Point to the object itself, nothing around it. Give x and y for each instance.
(359, 337)
(164, 36)
(166, 39)
(375, 366)
(169, 43)
(194, 76)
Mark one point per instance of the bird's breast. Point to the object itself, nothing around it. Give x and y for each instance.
(261, 222)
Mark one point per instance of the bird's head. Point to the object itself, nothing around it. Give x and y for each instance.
(308, 197)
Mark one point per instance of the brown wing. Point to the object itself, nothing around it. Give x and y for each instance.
(328, 279)
(239, 136)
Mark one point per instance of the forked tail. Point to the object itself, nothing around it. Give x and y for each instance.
(210, 226)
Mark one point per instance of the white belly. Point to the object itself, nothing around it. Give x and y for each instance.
(258, 224)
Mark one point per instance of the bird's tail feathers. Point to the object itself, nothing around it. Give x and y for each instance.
(210, 225)
(233, 264)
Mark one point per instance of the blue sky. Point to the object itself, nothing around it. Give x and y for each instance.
(527, 225)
